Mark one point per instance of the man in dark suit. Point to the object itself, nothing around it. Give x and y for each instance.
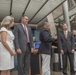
(67, 45)
(74, 33)
(45, 48)
(23, 45)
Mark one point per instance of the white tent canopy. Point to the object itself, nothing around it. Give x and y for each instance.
(36, 10)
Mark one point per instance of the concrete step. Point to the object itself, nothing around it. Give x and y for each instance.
(52, 73)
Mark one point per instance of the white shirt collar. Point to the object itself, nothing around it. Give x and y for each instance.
(23, 25)
(66, 31)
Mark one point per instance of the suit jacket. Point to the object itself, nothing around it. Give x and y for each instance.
(75, 41)
(46, 40)
(20, 37)
(66, 44)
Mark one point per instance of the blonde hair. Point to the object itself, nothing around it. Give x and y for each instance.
(6, 21)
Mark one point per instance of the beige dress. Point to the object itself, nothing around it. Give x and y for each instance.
(6, 60)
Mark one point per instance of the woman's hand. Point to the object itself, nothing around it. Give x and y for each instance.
(12, 52)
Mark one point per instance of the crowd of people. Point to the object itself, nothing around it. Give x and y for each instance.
(20, 42)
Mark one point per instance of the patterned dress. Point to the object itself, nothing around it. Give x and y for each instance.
(6, 60)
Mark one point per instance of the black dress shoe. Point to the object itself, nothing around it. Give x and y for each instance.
(65, 74)
(72, 74)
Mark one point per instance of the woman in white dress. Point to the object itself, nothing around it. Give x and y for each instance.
(7, 51)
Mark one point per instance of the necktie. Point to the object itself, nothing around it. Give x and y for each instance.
(65, 33)
(27, 37)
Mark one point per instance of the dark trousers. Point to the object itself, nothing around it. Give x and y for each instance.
(71, 60)
(24, 61)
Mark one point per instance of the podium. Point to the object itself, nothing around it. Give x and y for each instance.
(35, 61)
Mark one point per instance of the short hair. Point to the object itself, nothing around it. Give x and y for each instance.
(6, 21)
(24, 16)
(45, 23)
(64, 23)
(73, 30)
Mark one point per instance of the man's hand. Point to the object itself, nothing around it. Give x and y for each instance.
(19, 51)
(62, 52)
(73, 50)
(55, 37)
(32, 50)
